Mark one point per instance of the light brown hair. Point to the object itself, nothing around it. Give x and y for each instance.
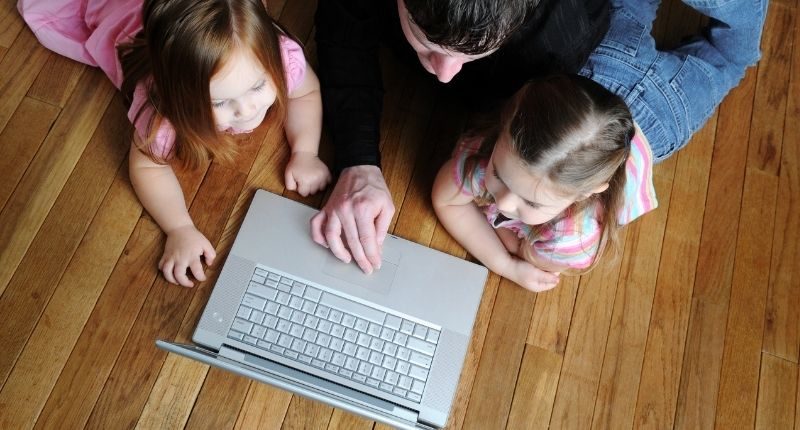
(577, 134)
(182, 44)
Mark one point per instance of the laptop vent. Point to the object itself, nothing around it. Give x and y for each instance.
(447, 364)
(227, 294)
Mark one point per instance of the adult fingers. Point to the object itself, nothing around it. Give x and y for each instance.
(333, 236)
(317, 225)
(368, 241)
(351, 232)
(382, 224)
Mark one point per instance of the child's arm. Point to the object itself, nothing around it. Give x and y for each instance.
(161, 195)
(465, 222)
(305, 172)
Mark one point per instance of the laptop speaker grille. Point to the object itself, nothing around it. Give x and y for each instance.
(227, 293)
(443, 383)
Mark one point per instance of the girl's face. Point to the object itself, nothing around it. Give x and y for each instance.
(518, 192)
(241, 93)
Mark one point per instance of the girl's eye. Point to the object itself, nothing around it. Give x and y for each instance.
(260, 87)
(218, 105)
(533, 205)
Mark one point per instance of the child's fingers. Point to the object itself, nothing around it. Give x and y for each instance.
(197, 270)
(209, 254)
(180, 275)
(166, 269)
(291, 184)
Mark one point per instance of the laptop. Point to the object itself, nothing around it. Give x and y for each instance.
(389, 346)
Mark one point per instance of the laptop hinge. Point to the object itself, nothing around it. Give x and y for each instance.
(321, 389)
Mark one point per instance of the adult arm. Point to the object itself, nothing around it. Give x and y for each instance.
(360, 207)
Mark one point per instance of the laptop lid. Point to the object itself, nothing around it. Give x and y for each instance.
(415, 282)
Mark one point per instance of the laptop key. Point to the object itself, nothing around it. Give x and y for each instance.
(421, 346)
(419, 373)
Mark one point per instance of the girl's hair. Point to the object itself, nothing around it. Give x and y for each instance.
(577, 134)
(182, 44)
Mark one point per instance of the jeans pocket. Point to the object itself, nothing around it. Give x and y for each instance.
(625, 33)
(697, 87)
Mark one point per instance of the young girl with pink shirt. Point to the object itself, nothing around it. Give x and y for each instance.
(545, 189)
(195, 72)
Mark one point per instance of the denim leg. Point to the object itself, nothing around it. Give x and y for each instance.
(672, 94)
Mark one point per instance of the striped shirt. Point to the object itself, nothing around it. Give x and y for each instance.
(573, 240)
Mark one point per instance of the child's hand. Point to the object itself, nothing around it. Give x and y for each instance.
(185, 245)
(306, 173)
(531, 277)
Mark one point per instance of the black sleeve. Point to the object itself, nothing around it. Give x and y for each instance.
(347, 35)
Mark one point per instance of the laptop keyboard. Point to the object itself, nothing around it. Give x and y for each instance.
(335, 334)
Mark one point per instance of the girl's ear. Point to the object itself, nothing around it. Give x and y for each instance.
(600, 188)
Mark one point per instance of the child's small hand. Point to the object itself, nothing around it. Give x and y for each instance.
(185, 245)
(306, 173)
(531, 277)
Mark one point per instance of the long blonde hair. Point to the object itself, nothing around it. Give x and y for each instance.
(182, 44)
(575, 133)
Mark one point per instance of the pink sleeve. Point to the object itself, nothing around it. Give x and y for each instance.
(294, 63)
(165, 137)
(571, 242)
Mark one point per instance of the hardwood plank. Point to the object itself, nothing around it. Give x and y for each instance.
(490, 401)
(93, 357)
(744, 333)
(535, 392)
(10, 23)
(304, 414)
(168, 407)
(218, 404)
(37, 370)
(347, 421)
(782, 334)
(18, 69)
(138, 365)
(706, 334)
(766, 137)
(33, 282)
(57, 80)
(36, 193)
(3, 51)
(663, 358)
(19, 141)
(583, 357)
(777, 391)
(264, 408)
(552, 316)
(622, 365)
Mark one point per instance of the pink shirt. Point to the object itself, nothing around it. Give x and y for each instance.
(573, 240)
(90, 30)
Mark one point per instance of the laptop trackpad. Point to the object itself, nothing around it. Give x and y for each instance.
(379, 281)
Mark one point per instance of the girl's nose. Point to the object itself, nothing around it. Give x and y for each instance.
(243, 109)
(504, 201)
(445, 67)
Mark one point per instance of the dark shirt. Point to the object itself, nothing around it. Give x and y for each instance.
(558, 36)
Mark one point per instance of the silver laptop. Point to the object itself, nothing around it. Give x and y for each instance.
(389, 346)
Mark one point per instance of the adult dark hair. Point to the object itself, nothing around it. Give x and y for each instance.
(469, 26)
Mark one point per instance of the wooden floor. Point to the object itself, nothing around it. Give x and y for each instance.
(696, 326)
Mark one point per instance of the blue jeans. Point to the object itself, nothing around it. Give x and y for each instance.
(671, 94)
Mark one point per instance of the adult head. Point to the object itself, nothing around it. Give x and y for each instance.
(446, 34)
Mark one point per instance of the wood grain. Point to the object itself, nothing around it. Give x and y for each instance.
(745, 330)
(776, 394)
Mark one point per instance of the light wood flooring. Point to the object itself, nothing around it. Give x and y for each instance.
(696, 326)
